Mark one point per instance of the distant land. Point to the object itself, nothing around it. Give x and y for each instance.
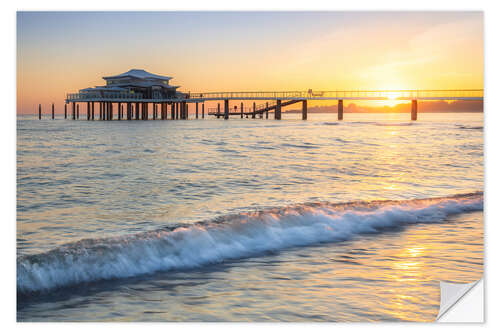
(429, 107)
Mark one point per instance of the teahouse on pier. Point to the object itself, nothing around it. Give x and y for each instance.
(129, 95)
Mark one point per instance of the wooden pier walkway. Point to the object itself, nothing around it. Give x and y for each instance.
(112, 105)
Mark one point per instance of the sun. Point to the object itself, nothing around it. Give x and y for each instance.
(393, 95)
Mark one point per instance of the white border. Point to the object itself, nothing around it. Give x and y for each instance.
(8, 165)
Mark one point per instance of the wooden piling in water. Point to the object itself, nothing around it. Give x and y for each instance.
(226, 109)
(304, 109)
(92, 110)
(253, 112)
(218, 110)
(267, 110)
(340, 110)
(414, 109)
(186, 111)
(241, 110)
(277, 111)
(39, 111)
(203, 111)
(73, 111)
(78, 111)
(52, 110)
(196, 110)
(119, 111)
(65, 111)
(88, 110)
(100, 110)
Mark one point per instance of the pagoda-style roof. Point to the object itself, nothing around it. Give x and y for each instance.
(138, 74)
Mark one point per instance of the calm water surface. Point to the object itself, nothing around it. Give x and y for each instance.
(240, 220)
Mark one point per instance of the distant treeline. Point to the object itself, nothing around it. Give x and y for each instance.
(431, 106)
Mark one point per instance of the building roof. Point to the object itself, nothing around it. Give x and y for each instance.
(100, 88)
(139, 74)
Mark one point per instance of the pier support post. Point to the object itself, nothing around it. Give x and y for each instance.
(111, 111)
(136, 111)
(88, 110)
(304, 109)
(154, 111)
(78, 111)
(172, 111)
(65, 111)
(277, 112)
(226, 109)
(414, 109)
(340, 110)
(100, 110)
(253, 111)
(119, 111)
(267, 110)
(186, 111)
(73, 107)
(177, 110)
(92, 110)
(218, 110)
(241, 110)
(146, 114)
(203, 111)
(52, 110)
(196, 110)
(39, 111)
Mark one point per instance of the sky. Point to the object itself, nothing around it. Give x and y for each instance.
(62, 52)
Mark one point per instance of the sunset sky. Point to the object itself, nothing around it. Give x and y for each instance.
(62, 52)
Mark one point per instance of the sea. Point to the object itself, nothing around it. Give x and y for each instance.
(247, 219)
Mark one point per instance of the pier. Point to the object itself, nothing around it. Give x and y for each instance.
(275, 102)
(137, 90)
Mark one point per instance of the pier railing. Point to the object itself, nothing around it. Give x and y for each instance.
(460, 94)
(103, 95)
(345, 94)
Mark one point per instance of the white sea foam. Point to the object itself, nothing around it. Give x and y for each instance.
(230, 237)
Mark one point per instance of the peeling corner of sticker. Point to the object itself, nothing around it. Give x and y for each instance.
(456, 306)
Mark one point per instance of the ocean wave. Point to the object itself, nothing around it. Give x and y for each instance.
(470, 127)
(227, 238)
(394, 124)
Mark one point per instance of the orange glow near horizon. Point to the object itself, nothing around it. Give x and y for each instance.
(59, 53)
